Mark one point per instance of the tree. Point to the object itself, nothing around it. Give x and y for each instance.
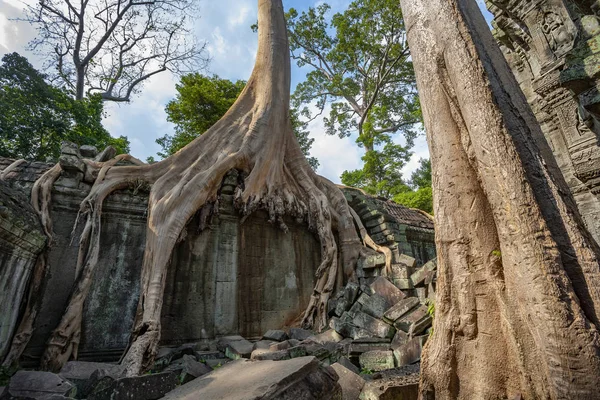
(419, 195)
(518, 299)
(36, 117)
(254, 137)
(363, 71)
(110, 47)
(201, 101)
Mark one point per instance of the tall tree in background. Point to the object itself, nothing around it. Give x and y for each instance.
(517, 306)
(110, 47)
(362, 70)
(36, 117)
(420, 194)
(201, 101)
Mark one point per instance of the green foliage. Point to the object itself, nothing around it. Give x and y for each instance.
(419, 195)
(360, 66)
(6, 373)
(36, 117)
(200, 102)
(431, 311)
(497, 253)
(366, 371)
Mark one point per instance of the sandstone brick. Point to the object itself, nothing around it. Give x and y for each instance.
(376, 326)
(377, 360)
(401, 308)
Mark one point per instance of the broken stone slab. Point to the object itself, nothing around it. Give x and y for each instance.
(187, 368)
(387, 290)
(376, 326)
(38, 385)
(300, 334)
(420, 326)
(374, 305)
(349, 380)
(399, 339)
(415, 316)
(217, 362)
(376, 360)
(410, 352)
(297, 379)
(84, 374)
(145, 387)
(284, 345)
(347, 329)
(239, 349)
(276, 335)
(419, 276)
(223, 341)
(401, 308)
(329, 335)
(346, 363)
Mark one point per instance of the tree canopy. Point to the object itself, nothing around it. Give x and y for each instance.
(420, 194)
(36, 117)
(110, 47)
(201, 101)
(360, 67)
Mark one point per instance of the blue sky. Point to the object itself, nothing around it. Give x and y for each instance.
(225, 25)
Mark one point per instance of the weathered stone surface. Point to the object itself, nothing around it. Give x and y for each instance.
(217, 362)
(427, 270)
(399, 339)
(409, 352)
(403, 284)
(374, 305)
(278, 355)
(387, 290)
(145, 387)
(407, 260)
(377, 360)
(350, 381)
(84, 374)
(284, 345)
(188, 369)
(300, 334)
(297, 379)
(239, 349)
(223, 341)
(375, 326)
(346, 363)
(276, 335)
(416, 315)
(208, 355)
(263, 344)
(347, 329)
(88, 151)
(328, 336)
(401, 308)
(38, 385)
(348, 298)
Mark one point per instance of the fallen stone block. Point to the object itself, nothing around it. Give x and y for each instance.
(369, 261)
(387, 290)
(374, 305)
(400, 271)
(208, 355)
(403, 284)
(263, 344)
(410, 352)
(419, 276)
(261, 355)
(376, 326)
(328, 336)
(415, 316)
(401, 308)
(399, 339)
(222, 342)
(284, 345)
(407, 260)
(300, 334)
(84, 375)
(145, 387)
(217, 362)
(345, 361)
(187, 368)
(349, 380)
(276, 335)
(309, 348)
(377, 360)
(239, 349)
(347, 329)
(297, 379)
(38, 385)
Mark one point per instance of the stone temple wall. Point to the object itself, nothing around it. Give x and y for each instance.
(231, 278)
(553, 48)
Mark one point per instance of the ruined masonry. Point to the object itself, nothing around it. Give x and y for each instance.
(553, 48)
(232, 279)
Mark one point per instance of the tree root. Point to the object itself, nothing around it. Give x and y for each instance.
(4, 173)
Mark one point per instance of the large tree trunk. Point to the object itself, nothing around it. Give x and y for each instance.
(518, 298)
(255, 137)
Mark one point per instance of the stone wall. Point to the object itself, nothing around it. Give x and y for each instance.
(553, 48)
(231, 278)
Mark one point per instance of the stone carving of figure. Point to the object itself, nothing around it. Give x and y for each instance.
(556, 33)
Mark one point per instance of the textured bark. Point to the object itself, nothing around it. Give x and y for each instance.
(518, 299)
(255, 137)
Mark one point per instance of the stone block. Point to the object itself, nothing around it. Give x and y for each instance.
(217, 362)
(300, 334)
(284, 345)
(422, 294)
(208, 355)
(297, 379)
(327, 336)
(357, 349)
(276, 335)
(88, 151)
(346, 363)
(387, 290)
(145, 387)
(409, 352)
(372, 260)
(376, 326)
(223, 341)
(407, 260)
(188, 369)
(349, 380)
(347, 329)
(262, 355)
(263, 344)
(377, 360)
(85, 375)
(403, 284)
(423, 273)
(415, 316)
(399, 339)
(374, 305)
(401, 308)
(239, 349)
(400, 271)
(38, 385)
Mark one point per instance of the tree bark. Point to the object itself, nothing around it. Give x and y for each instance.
(518, 298)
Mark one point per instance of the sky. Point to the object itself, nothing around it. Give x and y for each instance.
(231, 45)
